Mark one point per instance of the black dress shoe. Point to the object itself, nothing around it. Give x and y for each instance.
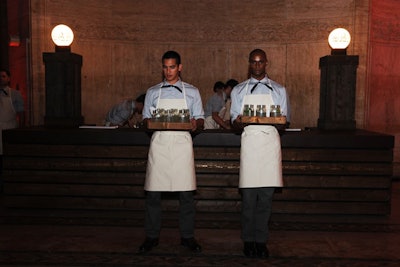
(191, 243)
(249, 249)
(148, 244)
(262, 250)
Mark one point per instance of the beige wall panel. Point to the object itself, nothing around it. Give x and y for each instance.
(304, 83)
(39, 34)
(99, 87)
(360, 47)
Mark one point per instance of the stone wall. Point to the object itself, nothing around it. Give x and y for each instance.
(122, 42)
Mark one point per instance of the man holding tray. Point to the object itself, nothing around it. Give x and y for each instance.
(260, 153)
(170, 165)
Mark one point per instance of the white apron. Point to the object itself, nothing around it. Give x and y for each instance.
(210, 123)
(225, 112)
(8, 116)
(260, 152)
(170, 165)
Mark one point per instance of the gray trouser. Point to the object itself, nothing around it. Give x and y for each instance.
(256, 211)
(187, 213)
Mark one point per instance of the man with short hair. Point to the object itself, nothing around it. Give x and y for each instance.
(260, 154)
(170, 164)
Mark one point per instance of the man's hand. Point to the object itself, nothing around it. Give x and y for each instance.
(237, 123)
(197, 125)
(227, 125)
(144, 122)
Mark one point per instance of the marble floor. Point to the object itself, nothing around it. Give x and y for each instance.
(27, 239)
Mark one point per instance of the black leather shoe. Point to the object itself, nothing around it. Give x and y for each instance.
(148, 244)
(262, 250)
(191, 243)
(249, 249)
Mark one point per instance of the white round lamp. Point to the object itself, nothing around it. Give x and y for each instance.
(62, 36)
(339, 39)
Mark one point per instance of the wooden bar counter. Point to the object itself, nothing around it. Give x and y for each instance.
(330, 173)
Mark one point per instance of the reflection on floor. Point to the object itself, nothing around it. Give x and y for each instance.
(27, 239)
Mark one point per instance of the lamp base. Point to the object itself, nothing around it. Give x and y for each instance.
(335, 52)
(66, 49)
(337, 92)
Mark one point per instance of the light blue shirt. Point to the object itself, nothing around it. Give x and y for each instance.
(214, 104)
(278, 94)
(121, 112)
(193, 98)
(16, 98)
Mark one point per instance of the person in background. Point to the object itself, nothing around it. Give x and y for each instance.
(225, 112)
(260, 154)
(127, 112)
(213, 108)
(170, 164)
(11, 110)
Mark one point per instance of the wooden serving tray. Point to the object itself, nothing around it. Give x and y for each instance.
(264, 120)
(161, 125)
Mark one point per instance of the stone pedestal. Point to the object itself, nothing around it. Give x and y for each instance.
(337, 92)
(63, 89)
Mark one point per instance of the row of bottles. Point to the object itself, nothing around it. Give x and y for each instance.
(261, 111)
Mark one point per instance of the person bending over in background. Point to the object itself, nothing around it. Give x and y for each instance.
(127, 112)
(213, 108)
(225, 112)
